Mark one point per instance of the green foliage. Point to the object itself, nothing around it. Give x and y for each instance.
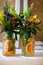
(6, 7)
(22, 33)
(12, 21)
(28, 12)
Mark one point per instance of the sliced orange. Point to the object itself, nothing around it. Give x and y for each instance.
(9, 53)
(30, 48)
(7, 45)
(30, 40)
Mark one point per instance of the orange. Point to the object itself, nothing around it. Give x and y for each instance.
(30, 40)
(9, 53)
(30, 48)
(7, 45)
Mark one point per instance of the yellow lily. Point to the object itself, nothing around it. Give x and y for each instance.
(37, 21)
(34, 17)
(2, 16)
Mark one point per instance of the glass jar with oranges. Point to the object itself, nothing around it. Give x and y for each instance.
(27, 44)
(9, 45)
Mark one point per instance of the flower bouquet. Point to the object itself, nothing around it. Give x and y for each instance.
(9, 24)
(28, 30)
(26, 23)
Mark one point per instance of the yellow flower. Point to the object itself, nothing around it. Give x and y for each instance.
(34, 17)
(2, 16)
(31, 20)
(2, 13)
(37, 21)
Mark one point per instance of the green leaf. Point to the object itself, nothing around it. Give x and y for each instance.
(32, 6)
(33, 30)
(1, 31)
(21, 33)
(38, 28)
(0, 22)
(12, 8)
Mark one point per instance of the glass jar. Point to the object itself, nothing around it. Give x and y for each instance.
(8, 46)
(27, 44)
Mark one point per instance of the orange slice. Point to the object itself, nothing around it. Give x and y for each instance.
(30, 48)
(9, 53)
(7, 45)
(30, 40)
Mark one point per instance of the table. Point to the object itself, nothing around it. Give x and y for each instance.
(22, 60)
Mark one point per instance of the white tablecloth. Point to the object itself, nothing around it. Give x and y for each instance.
(21, 60)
